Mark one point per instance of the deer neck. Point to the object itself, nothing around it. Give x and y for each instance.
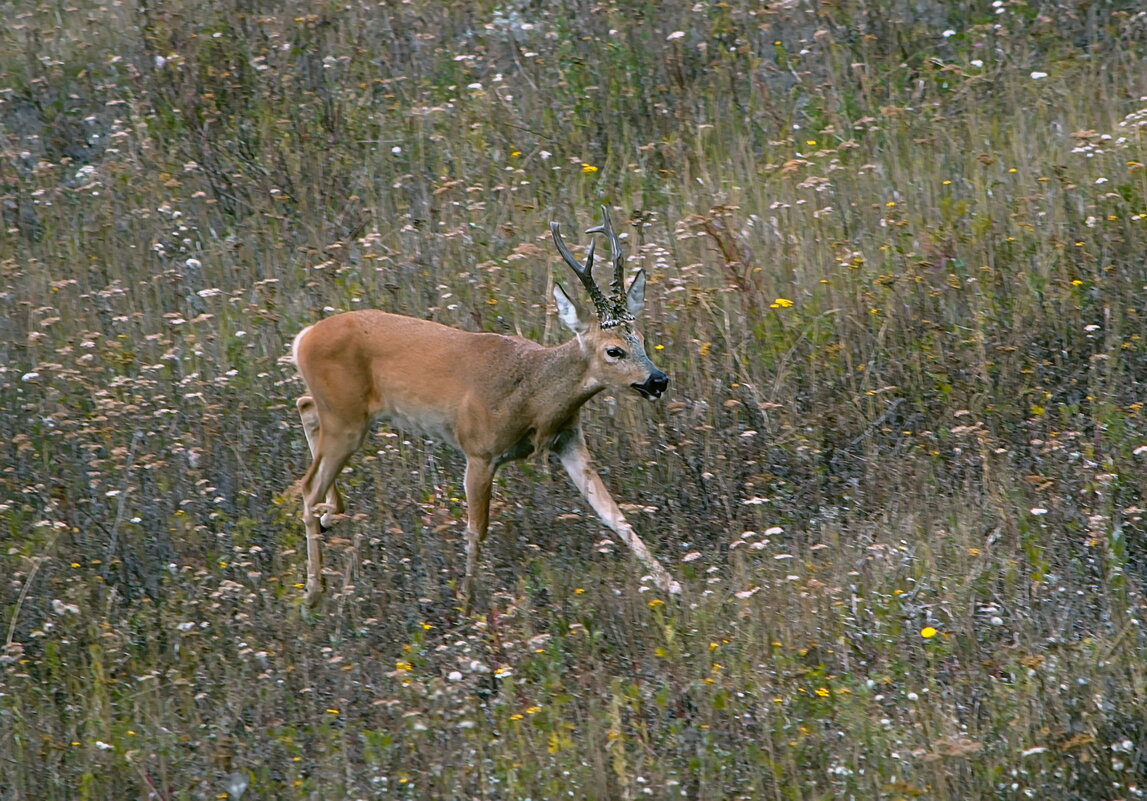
(562, 384)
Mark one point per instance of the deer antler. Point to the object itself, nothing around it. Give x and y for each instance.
(606, 317)
(619, 309)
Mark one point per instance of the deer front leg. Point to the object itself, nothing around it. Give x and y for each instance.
(479, 481)
(575, 459)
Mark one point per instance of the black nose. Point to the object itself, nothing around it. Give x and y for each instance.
(653, 386)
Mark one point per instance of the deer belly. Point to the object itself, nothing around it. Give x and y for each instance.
(436, 426)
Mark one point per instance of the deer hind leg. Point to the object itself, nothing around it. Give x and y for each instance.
(575, 459)
(479, 482)
(332, 448)
(309, 413)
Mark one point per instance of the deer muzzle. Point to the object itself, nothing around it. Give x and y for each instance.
(653, 386)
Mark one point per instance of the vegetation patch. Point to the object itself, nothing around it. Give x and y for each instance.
(896, 277)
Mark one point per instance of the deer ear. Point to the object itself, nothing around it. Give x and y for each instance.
(635, 298)
(568, 311)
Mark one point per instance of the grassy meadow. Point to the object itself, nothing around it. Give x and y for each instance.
(897, 277)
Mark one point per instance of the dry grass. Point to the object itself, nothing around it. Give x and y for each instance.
(897, 271)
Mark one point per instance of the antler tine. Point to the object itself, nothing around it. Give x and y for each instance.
(585, 273)
(617, 285)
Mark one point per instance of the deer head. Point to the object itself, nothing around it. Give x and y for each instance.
(612, 342)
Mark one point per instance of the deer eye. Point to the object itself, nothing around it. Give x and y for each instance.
(614, 353)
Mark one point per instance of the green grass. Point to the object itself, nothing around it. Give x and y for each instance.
(897, 279)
